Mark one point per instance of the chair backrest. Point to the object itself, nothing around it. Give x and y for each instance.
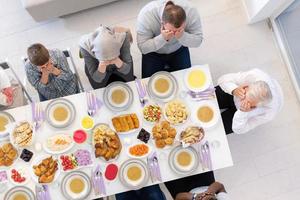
(5, 65)
(69, 56)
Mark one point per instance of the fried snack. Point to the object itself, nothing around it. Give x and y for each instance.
(126, 123)
(176, 112)
(23, 134)
(163, 134)
(46, 170)
(107, 143)
(7, 155)
(192, 135)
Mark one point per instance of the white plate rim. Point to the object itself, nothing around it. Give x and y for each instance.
(18, 188)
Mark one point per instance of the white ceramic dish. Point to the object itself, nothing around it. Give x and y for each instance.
(23, 172)
(69, 147)
(37, 161)
(107, 94)
(8, 128)
(213, 121)
(68, 105)
(12, 139)
(65, 189)
(130, 131)
(167, 118)
(19, 190)
(183, 170)
(139, 157)
(134, 184)
(206, 76)
(172, 92)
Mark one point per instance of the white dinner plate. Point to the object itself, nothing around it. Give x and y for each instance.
(5, 133)
(63, 103)
(70, 146)
(139, 157)
(186, 169)
(19, 190)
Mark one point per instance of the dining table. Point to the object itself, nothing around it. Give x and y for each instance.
(215, 136)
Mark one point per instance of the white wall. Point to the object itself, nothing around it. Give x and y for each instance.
(258, 10)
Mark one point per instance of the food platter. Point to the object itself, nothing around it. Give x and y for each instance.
(162, 86)
(126, 123)
(8, 154)
(139, 150)
(5, 120)
(22, 172)
(76, 186)
(134, 174)
(23, 134)
(197, 79)
(118, 96)
(183, 161)
(176, 112)
(60, 113)
(206, 114)
(37, 162)
(21, 192)
(58, 144)
(106, 142)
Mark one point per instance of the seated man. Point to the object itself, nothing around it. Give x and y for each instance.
(165, 31)
(147, 193)
(49, 73)
(186, 184)
(216, 191)
(250, 98)
(107, 57)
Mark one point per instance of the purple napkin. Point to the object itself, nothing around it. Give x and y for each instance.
(98, 181)
(140, 88)
(154, 166)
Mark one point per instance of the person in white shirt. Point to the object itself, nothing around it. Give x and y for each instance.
(216, 191)
(6, 91)
(249, 98)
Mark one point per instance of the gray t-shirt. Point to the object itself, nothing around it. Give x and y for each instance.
(220, 196)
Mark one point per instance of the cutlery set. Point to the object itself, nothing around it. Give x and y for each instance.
(204, 151)
(153, 166)
(204, 95)
(93, 103)
(42, 192)
(98, 181)
(38, 115)
(142, 92)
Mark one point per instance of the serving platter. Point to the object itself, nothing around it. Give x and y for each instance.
(65, 110)
(59, 151)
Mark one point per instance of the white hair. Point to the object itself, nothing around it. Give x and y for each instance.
(260, 92)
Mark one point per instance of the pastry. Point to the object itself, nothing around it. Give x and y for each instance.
(46, 170)
(163, 134)
(125, 123)
(7, 155)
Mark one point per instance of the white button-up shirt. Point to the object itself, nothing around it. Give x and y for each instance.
(245, 121)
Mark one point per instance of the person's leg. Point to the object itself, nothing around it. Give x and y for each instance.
(151, 193)
(151, 63)
(178, 60)
(225, 100)
(227, 117)
(188, 183)
(130, 195)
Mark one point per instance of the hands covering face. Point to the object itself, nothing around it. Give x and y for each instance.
(168, 31)
(240, 93)
(47, 68)
(205, 196)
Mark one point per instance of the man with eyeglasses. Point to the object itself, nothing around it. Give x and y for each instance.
(49, 73)
(165, 32)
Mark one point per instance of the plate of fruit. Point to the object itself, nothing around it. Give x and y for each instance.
(19, 176)
(78, 159)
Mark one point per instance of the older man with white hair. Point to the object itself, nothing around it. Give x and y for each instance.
(249, 98)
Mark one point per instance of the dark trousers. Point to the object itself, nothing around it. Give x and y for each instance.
(147, 193)
(225, 101)
(188, 183)
(154, 62)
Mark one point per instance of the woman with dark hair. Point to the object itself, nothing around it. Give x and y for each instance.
(107, 57)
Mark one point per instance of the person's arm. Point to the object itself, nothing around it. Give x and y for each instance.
(193, 35)
(92, 65)
(184, 196)
(244, 121)
(126, 57)
(216, 188)
(146, 40)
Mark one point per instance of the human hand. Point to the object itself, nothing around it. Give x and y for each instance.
(240, 92)
(245, 106)
(167, 34)
(179, 33)
(117, 61)
(9, 93)
(102, 66)
(205, 196)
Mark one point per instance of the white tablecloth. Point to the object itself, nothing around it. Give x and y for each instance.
(221, 156)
